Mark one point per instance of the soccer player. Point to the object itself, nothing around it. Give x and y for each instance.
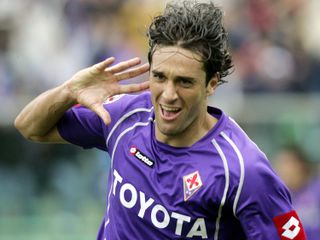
(180, 169)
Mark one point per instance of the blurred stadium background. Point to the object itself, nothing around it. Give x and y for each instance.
(58, 192)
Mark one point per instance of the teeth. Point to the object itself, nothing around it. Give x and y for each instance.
(170, 109)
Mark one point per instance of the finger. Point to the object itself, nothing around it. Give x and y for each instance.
(101, 112)
(101, 66)
(133, 72)
(123, 65)
(135, 87)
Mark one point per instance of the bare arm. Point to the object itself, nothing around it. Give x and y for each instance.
(89, 87)
(38, 119)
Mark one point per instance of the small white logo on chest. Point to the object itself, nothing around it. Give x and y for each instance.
(141, 156)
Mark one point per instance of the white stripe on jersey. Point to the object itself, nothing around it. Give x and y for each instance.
(226, 187)
(242, 172)
(112, 156)
(124, 117)
(248, 137)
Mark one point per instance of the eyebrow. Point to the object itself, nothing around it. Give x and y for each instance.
(158, 72)
(176, 78)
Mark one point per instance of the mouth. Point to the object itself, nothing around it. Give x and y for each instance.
(169, 113)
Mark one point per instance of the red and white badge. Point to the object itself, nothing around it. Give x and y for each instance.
(191, 183)
(289, 226)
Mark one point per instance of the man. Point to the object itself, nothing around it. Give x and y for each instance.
(180, 169)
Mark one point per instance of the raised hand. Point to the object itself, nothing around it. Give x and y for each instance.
(93, 85)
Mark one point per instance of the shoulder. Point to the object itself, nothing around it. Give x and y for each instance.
(121, 107)
(255, 162)
(251, 177)
(240, 152)
(127, 111)
(242, 148)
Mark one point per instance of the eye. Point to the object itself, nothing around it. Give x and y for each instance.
(186, 82)
(158, 76)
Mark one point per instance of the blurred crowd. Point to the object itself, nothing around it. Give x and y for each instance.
(274, 43)
(42, 42)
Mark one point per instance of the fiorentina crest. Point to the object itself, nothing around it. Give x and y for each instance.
(191, 184)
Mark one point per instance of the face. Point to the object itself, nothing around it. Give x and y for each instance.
(179, 92)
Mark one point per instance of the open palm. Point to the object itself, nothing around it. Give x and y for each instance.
(93, 85)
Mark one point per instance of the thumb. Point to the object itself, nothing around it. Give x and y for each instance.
(101, 112)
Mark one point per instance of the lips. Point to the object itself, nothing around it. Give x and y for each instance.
(169, 113)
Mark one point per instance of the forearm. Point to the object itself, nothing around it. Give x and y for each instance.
(41, 115)
(88, 87)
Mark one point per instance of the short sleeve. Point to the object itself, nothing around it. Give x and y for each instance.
(82, 127)
(265, 203)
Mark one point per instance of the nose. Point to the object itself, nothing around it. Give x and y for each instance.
(169, 93)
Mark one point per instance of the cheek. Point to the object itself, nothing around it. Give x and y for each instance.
(195, 98)
(155, 91)
(196, 104)
(193, 106)
(153, 88)
(194, 109)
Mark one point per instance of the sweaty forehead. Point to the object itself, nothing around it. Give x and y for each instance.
(176, 58)
(175, 61)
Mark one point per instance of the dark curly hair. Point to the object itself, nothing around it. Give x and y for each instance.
(197, 27)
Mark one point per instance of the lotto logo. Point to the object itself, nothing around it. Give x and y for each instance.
(141, 156)
(289, 226)
(133, 150)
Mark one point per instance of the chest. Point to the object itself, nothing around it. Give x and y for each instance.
(181, 180)
(178, 192)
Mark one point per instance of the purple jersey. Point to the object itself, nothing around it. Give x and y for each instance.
(222, 187)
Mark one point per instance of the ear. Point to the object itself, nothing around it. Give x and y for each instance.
(212, 84)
